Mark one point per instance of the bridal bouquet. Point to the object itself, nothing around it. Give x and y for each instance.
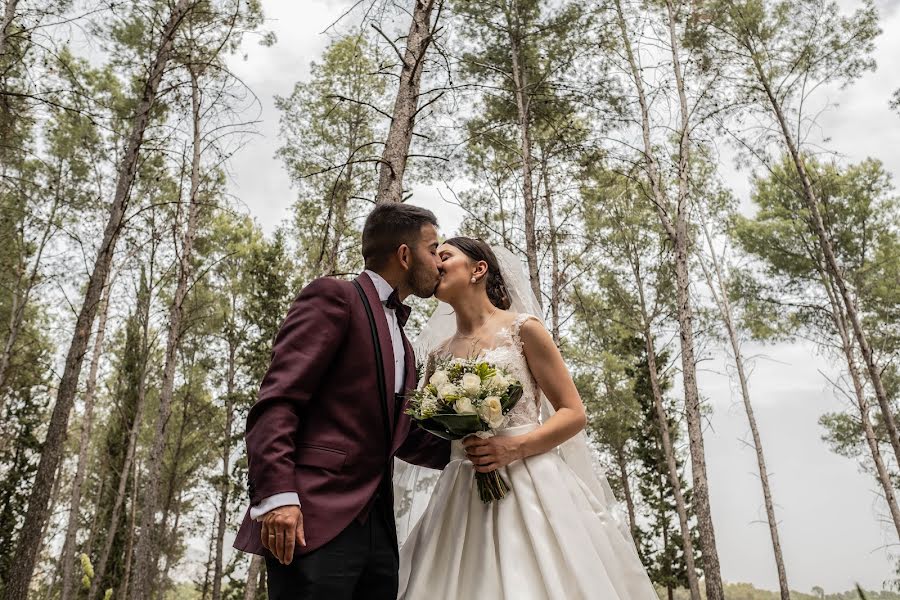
(467, 397)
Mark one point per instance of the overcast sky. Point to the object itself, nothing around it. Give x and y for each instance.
(834, 528)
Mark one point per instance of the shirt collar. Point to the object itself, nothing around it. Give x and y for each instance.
(383, 288)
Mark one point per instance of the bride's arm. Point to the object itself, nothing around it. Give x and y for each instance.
(553, 378)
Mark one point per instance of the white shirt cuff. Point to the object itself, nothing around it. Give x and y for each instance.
(273, 502)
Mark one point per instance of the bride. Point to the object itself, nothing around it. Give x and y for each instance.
(559, 533)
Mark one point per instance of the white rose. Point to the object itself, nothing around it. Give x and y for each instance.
(498, 383)
(439, 378)
(491, 411)
(447, 389)
(464, 406)
(471, 383)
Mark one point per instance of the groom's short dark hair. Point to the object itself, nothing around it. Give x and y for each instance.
(390, 225)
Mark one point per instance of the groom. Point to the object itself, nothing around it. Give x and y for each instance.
(329, 419)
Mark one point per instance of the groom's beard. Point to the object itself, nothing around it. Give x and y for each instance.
(422, 282)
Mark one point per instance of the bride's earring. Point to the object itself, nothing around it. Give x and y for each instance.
(473, 280)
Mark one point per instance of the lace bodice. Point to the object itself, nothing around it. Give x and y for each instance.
(507, 353)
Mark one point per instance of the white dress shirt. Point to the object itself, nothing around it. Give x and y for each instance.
(384, 290)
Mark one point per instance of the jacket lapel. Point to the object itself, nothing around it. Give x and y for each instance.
(384, 337)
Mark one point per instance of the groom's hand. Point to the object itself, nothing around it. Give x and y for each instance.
(282, 530)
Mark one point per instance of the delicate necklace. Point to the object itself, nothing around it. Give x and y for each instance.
(475, 339)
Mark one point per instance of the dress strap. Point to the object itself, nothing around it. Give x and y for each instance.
(516, 327)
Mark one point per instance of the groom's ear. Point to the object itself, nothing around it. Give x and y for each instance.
(404, 255)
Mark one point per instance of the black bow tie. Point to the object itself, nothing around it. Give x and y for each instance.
(402, 311)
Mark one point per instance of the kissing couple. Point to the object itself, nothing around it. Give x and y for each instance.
(330, 420)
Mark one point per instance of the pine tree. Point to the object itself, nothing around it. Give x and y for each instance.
(330, 132)
(661, 545)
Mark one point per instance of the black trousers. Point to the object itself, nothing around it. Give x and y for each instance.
(359, 564)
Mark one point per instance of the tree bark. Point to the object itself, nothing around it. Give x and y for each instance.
(626, 488)
(161, 583)
(29, 542)
(88, 547)
(337, 214)
(719, 292)
(226, 455)
(396, 148)
(144, 567)
(818, 225)
(556, 278)
(254, 574)
(523, 107)
(129, 547)
(68, 552)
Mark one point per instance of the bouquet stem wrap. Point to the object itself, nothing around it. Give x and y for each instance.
(491, 486)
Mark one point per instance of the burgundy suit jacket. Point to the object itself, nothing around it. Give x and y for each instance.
(317, 427)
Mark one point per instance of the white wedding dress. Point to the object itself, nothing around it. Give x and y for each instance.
(551, 537)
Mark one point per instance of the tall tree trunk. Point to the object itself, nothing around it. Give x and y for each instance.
(523, 108)
(210, 559)
(167, 536)
(840, 323)
(9, 13)
(171, 535)
(143, 311)
(88, 547)
(818, 225)
(694, 417)
(663, 517)
(556, 277)
(254, 574)
(337, 215)
(38, 505)
(54, 498)
(626, 488)
(668, 449)
(226, 466)
(129, 546)
(678, 235)
(84, 445)
(711, 569)
(121, 491)
(396, 148)
(720, 294)
(144, 567)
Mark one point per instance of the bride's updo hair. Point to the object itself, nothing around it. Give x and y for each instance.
(477, 250)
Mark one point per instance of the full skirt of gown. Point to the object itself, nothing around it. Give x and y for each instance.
(549, 538)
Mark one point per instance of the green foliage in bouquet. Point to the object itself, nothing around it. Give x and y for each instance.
(438, 409)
